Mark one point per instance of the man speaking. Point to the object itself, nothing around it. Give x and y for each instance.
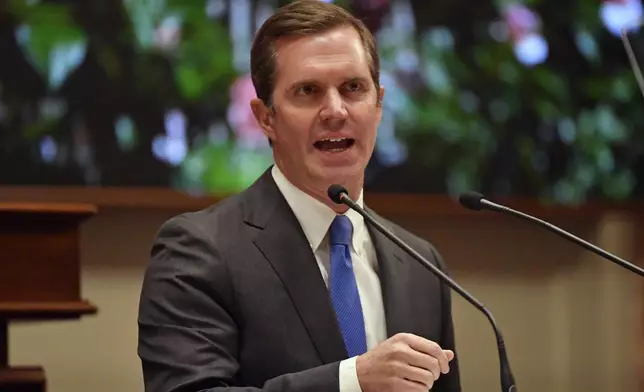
(278, 288)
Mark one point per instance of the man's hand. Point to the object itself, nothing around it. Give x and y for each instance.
(402, 363)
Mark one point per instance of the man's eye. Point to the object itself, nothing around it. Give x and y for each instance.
(305, 90)
(353, 87)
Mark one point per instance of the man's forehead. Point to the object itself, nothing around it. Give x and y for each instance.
(316, 72)
(341, 40)
(335, 51)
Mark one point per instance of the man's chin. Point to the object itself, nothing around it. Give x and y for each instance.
(340, 174)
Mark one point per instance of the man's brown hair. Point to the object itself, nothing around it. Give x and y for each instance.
(302, 18)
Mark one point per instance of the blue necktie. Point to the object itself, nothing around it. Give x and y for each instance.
(343, 287)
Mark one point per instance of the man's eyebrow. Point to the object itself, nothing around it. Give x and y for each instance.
(302, 82)
(361, 79)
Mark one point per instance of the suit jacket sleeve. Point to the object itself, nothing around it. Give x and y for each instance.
(188, 339)
(451, 381)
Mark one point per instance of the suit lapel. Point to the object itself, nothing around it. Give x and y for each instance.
(394, 277)
(282, 241)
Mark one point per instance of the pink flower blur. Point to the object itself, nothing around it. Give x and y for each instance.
(240, 116)
(521, 21)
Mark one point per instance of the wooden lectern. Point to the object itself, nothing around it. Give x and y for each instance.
(39, 276)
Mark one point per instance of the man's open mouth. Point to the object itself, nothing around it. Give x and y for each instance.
(334, 145)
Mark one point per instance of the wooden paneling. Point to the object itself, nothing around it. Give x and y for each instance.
(39, 275)
(399, 205)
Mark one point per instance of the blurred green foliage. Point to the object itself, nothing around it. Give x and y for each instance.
(470, 113)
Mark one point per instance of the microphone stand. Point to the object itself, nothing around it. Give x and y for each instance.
(507, 379)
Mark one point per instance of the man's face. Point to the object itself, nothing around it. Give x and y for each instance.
(326, 114)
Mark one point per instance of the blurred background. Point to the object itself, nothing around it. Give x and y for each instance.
(119, 102)
(532, 98)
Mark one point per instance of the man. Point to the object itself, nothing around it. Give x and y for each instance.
(278, 288)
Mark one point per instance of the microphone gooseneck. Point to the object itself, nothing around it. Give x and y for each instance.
(475, 201)
(339, 195)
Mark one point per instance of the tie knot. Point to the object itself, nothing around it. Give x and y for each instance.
(341, 231)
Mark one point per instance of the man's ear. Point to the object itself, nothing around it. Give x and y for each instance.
(381, 96)
(263, 115)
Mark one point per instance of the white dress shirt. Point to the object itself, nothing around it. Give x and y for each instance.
(315, 219)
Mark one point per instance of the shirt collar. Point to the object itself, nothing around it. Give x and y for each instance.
(314, 216)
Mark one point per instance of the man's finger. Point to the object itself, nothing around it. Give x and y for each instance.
(432, 349)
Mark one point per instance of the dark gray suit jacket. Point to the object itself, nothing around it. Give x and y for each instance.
(233, 300)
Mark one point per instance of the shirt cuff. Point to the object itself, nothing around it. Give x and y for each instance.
(349, 376)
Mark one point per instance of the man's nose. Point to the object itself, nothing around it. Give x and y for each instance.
(333, 106)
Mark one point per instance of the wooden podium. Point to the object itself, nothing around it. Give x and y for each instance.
(39, 276)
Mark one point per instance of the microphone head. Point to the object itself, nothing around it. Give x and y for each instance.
(471, 200)
(335, 192)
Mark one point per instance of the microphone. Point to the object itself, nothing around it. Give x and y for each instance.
(339, 195)
(476, 201)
